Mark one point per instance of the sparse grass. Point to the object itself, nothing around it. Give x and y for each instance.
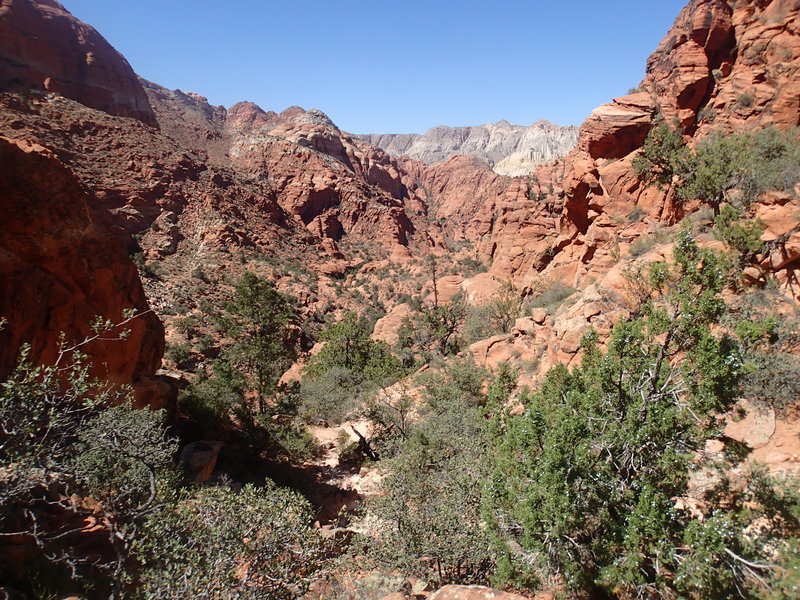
(636, 214)
(745, 100)
(642, 246)
(553, 296)
(706, 114)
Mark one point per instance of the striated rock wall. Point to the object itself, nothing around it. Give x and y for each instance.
(511, 150)
(43, 48)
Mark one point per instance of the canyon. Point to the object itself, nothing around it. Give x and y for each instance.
(104, 172)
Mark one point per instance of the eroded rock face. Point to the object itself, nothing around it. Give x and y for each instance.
(59, 270)
(44, 48)
(511, 149)
(328, 180)
(723, 65)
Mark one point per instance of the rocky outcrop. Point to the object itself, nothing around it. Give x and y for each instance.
(44, 48)
(512, 150)
(331, 182)
(723, 65)
(59, 271)
(246, 117)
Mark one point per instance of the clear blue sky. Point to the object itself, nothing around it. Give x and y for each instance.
(392, 67)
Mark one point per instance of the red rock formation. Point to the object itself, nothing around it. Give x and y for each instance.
(331, 182)
(44, 48)
(245, 117)
(723, 65)
(59, 270)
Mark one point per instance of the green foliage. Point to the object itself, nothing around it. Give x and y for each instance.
(732, 168)
(60, 440)
(332, 396)
(740, 234)
(642, 245)
(768, 336)
(120, 454)
(717, 166)
(469, 267)
(662, 156)
(494, 316)
(261, 320)
(253, 544)
(180, 354)
(151, 270)
(185, 325)
(435, 329)
(347, 370)
(744, 100)
(62, 444)
(348, 346)
(772, 379)
(552, 296)
(586, 480)
(199, 273)
(243, 393)
(430, 508)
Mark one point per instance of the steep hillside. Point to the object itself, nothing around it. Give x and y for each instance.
(510, 150)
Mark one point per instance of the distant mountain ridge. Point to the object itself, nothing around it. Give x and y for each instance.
(511, 150)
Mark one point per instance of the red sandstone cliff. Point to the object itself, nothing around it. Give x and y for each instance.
(43, 48)
(59, 270)
(293, 186)
(723, 65)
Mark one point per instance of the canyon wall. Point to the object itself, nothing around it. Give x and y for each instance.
(510, 150)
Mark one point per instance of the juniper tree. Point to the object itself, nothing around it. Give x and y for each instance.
(590, 483)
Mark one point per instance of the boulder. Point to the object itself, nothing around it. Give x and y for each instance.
(198, 459)
(478, 592)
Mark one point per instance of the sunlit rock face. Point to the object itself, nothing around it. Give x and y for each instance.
(510, 150)
(44, 48)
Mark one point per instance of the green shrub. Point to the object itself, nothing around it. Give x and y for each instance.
(552, 296)
(185, 325)
(585, 484)
(744, 100)
(62, 445)
(642, 245)
(636, 215)
(430, 506)
(180, 354)
(255, 543)
(199, 273)
(732, 168)
(495, 316)
(205, 343)
(741, 235)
